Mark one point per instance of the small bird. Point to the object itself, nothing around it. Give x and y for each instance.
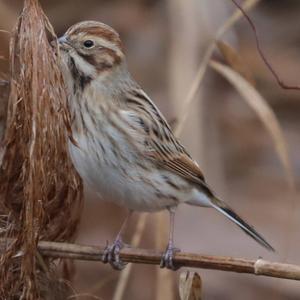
(123, 147)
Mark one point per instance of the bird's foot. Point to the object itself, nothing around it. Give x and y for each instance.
(167, 258)
(111, 255)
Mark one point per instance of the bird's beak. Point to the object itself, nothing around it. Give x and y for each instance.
(63, 42)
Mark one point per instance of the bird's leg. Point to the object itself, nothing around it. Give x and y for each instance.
(112, 252)
(167, 258)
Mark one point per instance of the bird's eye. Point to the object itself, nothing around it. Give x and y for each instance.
(88, 44)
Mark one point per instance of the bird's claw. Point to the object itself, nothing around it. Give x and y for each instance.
(111, 255)
(167, 258)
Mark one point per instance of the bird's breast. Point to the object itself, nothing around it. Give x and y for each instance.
(124, 178)
(109, 157)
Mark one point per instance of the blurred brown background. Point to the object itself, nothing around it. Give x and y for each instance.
(165, 42)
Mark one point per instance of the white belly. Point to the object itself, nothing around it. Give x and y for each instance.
(131, 182)
(125, 184)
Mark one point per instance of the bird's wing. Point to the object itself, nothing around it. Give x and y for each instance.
(161, 146)
(178, 163)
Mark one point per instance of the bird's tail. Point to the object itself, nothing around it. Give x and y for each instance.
(229, 213)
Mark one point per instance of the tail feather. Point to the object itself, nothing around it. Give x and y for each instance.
(229, 213)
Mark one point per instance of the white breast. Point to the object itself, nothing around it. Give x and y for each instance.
(125, 184)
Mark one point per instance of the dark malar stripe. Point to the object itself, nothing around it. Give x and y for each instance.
(79, 78)
(84, 81)
(73, 69)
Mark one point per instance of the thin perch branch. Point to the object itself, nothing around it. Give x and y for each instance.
(143, 256)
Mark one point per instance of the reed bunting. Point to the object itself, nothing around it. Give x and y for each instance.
(123, 147)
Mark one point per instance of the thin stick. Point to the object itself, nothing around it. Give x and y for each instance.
(280, 82)
(124, 277)
(143, 256)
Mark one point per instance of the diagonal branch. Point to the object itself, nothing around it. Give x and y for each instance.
(143, 256)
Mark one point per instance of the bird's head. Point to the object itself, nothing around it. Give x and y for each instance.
(91, 48)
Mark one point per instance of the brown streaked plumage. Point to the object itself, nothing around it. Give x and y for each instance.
(125, 148)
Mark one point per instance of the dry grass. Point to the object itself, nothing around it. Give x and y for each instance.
(190, 286)
(40, 191)
(188, 101)
(263, 111)
(125, 275)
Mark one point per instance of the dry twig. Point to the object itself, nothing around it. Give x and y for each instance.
(182, 259)
(277, 77)
(263, 111)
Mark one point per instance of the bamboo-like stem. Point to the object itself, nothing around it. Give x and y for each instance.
(144, 256)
